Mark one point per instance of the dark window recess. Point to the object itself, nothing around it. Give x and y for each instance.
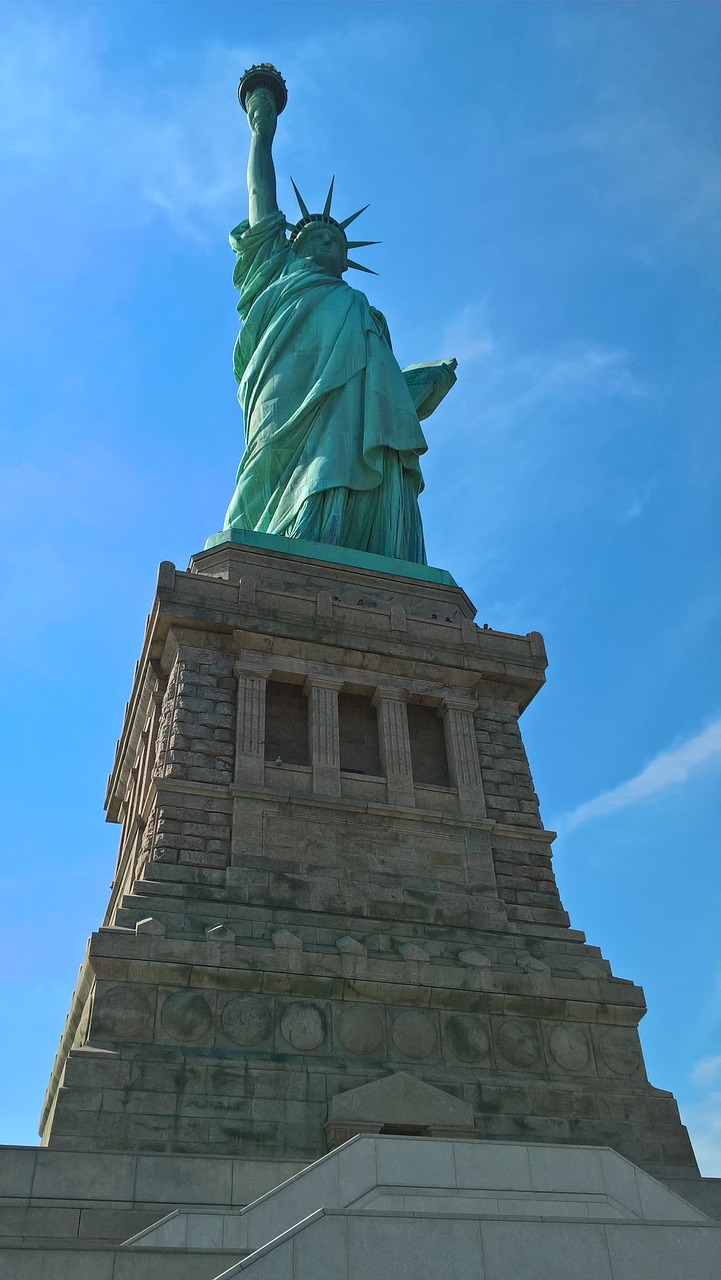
(286, 723)
(358, 735)
(428, 746)
(406, 1130)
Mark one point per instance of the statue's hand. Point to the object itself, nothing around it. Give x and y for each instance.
(262, 115)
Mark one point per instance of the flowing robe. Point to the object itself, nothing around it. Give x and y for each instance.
(332, 437)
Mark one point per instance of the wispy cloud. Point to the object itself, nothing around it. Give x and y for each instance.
(171, 138)
(636, 506)
(671, 179)
(467, 335)
(568, 375)
(54, 523)
(512, 386)
(703, 1120)
(67, 114)
(702, 1114)
(532, 419)
(707, 1071)
(668, 769)
(648, 131)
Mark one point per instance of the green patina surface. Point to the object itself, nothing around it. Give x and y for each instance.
(333, 555)
(332, 423)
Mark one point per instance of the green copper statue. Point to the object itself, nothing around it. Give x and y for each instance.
(331, 421)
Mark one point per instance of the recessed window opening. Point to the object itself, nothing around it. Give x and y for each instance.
(358, 724)
(286, 723)
(406, 1130)
(428, 746)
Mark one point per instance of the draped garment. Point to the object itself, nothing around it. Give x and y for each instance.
(332, 438)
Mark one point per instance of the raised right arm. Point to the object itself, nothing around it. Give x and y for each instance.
(262, 119)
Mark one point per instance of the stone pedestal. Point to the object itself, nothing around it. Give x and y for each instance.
(333, 872)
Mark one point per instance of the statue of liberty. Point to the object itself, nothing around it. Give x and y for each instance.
(332, 430)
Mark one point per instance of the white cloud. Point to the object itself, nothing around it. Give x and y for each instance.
(510, 387)
(69, 118)
(169, 137)
(509, 391)
(649, 131)
(703, 1120)
(535, 422)
(669, 176)
(668, 769)
(466, 335)
(55, 518)
(636, 506)
(707, 1070)
(571, 374)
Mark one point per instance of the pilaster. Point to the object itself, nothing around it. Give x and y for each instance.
(324, 736)
(395, 745)
(463, 763)
(252, 676)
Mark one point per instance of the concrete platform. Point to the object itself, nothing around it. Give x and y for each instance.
(411, 1206)
(66, 1213)
(425, 1207)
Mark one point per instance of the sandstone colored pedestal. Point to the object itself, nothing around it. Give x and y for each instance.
(333, 871)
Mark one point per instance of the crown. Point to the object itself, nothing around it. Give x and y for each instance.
(308, 218)
(263, 76)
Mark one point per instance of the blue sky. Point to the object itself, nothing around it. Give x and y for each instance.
(546, 184)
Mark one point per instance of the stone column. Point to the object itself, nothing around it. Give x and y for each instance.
(395, 745)
(252, 677)
(323, 733)
(462, 751)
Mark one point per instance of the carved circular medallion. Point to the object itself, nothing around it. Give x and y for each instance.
(619, 1050)
(360, 1029)
(468, 1038)
(303, 1026)
(414, 1035)
(121, 1013)
(569, 1047)
(519, 1042)
(246, 1020)
(186, 1016)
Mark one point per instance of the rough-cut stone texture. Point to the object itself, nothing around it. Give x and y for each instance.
(280, 932)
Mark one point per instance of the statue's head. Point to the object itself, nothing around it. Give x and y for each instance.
(325, 244)
(322, 239)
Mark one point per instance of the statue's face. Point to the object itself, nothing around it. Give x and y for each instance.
(325, 246)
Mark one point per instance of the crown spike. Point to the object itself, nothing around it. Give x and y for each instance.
(347, 221)
(357, 267)
(361, 244)
(328, 199)
(301, 202)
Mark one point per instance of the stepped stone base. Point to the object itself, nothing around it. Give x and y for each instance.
(332, 871)
(496, 1211)
(334, 914)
